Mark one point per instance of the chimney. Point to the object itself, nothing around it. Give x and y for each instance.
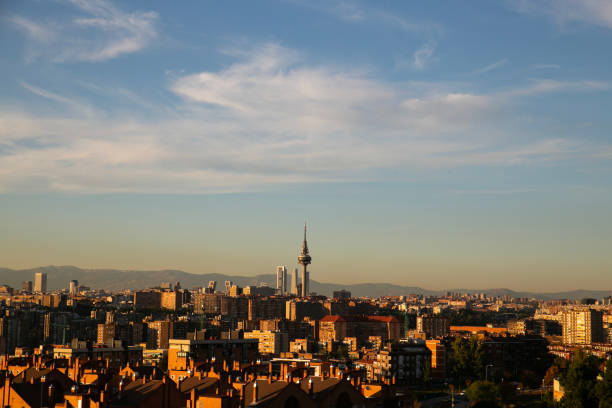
(193, 397)
(51, 394)
(6, 395)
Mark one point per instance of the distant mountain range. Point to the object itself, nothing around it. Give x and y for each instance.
(113, 279)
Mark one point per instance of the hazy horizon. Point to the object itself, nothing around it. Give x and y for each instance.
(272, 273)
(433, 145)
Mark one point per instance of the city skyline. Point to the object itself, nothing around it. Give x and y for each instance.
(458, 146)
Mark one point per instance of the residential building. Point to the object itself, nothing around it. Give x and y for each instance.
(159, 333)
(582, 326)
(342, 294)
(433, 326)
(26, 287)
(171, 300)
(147, 299)
(402, 363)
(270, 342)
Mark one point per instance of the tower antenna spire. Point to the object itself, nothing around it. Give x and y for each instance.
(305, 259)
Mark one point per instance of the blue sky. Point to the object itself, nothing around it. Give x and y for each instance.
(439, 144)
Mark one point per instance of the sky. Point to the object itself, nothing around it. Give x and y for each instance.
(437, 144)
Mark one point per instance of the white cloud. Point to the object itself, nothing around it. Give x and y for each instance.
(546, 66)
(100, 32)
(78, 106)
(491, 67)
(597, 12)
(36, 31)
(422, 57)
(539, 86)
(352, 12)
(270, 118)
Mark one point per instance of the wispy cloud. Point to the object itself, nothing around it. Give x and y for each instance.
(271, 118)
(540, 86)
(99, 33)
(597, 12)
(79, 107)
(36, 31)
(494, 191)
(546, 66)
(491, 67)
(423, 56)
(358, 13)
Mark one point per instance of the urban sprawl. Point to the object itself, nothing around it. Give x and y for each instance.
(261, 346)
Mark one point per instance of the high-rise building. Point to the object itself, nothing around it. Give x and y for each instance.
(281, 280)
(73, 287)
(147, 299)
(294, 283)
(212, 285)
(106, 332)
(342, 294)
(305, 259)
(228, 285)
(235, 290)
(171, 300)
(40, 282)
(582, 326)
(433, 326)
(159, 333)
(26, 286)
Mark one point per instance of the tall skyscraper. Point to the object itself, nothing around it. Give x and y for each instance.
(294, 283)
(40, 282)
(73, 287)
(281, 280)
(304, 259)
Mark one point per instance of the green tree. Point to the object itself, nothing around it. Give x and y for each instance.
(467, 359)
(603, 389)
(427, 374)
(579, 382)
(483, 394)
(342, 351)
(551, 374)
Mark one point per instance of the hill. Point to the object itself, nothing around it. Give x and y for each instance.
(113, 279)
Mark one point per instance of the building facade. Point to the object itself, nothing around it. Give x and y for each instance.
(40, 282)
(281, 280)
(582, 326)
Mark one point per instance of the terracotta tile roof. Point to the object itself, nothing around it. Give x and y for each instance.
(333, 318)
